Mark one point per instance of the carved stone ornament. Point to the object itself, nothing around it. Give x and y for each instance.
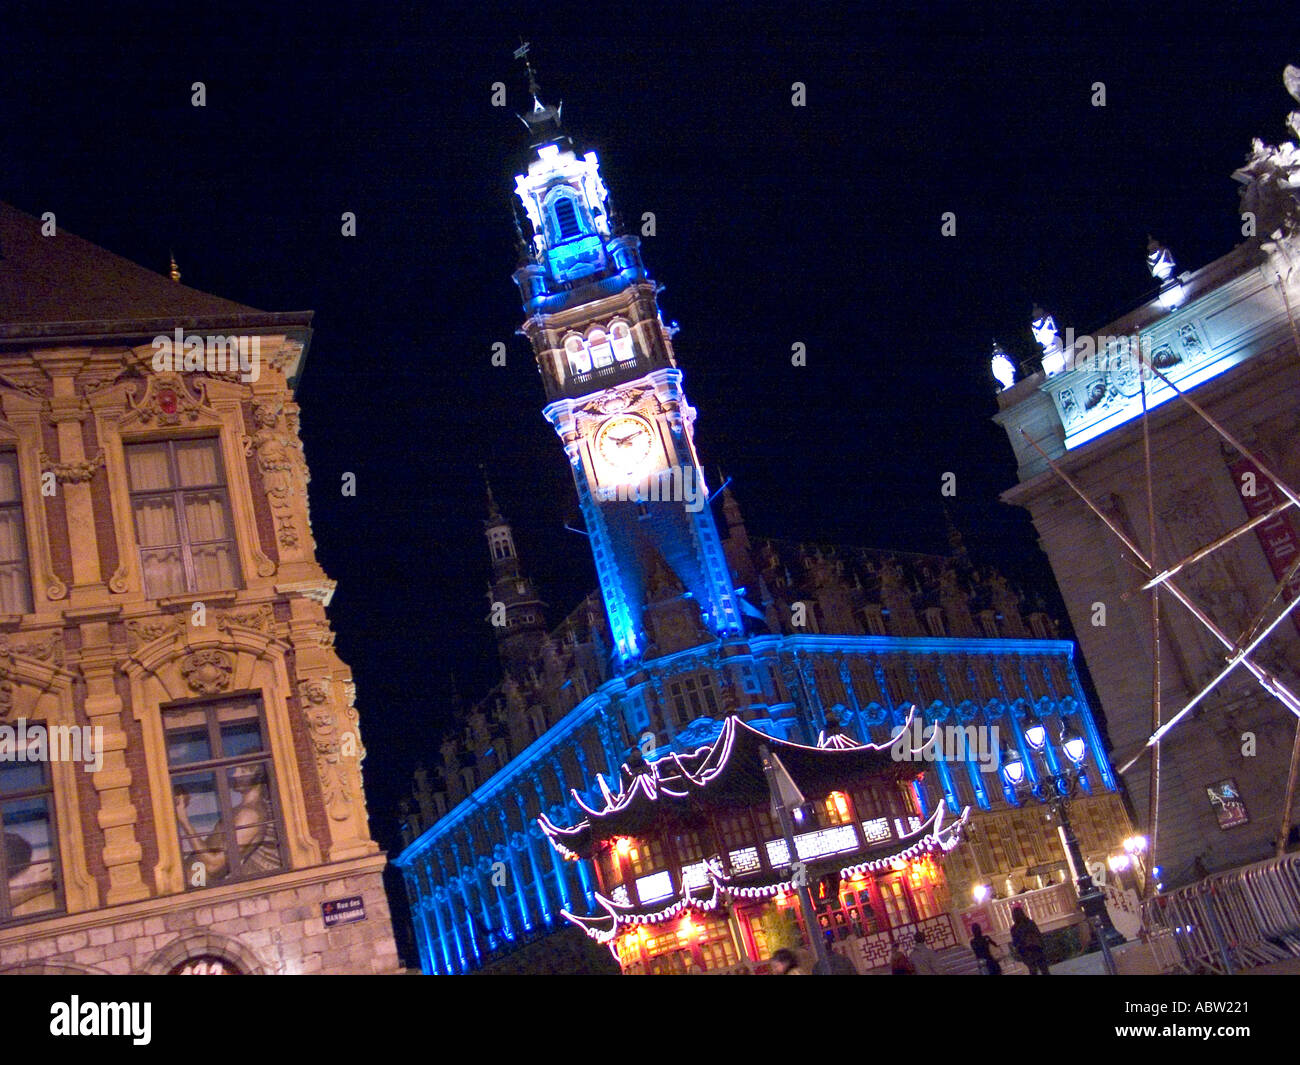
(48, 648)
(284, 470)
(146, 630)
(167, 401)
(207, 672)
(259, 619)
(72, 472)
(328, 747)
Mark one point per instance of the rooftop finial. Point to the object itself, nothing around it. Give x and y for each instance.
(493, 512)
(541, 114)
(522, 53)
(175, 270)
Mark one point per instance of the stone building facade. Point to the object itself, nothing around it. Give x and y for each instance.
(162, 614)
(1226, 335)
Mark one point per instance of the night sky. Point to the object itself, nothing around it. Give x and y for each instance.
(775, 225)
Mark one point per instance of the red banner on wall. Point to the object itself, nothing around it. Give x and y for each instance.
(1277, 536)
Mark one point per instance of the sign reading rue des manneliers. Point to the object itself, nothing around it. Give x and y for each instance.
(343, 911)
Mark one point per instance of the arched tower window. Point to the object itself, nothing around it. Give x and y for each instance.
(500, 542)
(601, 353)
(621, 341)
(567, 217)
(579, 358)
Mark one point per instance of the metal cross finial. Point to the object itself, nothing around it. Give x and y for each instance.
(522, 53)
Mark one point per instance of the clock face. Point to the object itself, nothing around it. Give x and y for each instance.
(624, 442)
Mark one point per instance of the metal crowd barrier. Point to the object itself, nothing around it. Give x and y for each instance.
(1229, 921)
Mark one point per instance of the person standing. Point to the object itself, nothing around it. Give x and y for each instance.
(785, 962)
(1028, 941)
(985, 952)
(924, 960)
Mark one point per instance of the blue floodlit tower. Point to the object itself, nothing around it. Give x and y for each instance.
(616, 400)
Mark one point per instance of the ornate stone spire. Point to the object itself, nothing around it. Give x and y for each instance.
(175, 271)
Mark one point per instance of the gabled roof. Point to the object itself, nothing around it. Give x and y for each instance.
(63, 285)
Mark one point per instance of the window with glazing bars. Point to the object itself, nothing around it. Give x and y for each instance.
(223, 790)
(182, 517)
(15, 580)
(29, 865)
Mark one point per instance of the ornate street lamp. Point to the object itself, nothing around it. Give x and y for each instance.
(1055, 790)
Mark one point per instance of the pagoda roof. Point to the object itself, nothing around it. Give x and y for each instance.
(726, 774)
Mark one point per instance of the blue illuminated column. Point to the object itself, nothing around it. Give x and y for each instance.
(850, 695)
(444, 937)
(473, 872)
(539, 881)
(499, 853)
(608, 741)
(882, 682)
(1026, 756)
(455, 922)
(516, 879)
(946, 782)
(556, 861)
(494, 855)
(418, 909)
(584, 873)
(977, 783)
(814, 716)
(457, 886)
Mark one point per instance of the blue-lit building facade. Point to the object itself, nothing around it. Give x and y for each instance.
(691, 627)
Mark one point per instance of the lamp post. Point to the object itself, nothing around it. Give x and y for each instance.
(1055, 791)
(785, 793)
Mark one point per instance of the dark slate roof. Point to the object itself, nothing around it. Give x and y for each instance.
(48, 284)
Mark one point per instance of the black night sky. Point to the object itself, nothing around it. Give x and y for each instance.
(775, 225)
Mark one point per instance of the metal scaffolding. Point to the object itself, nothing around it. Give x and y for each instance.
(1237, 651)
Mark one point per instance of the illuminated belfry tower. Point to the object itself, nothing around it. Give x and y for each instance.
(515, 611)
(616, 400)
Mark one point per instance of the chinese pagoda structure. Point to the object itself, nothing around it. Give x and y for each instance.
(695, 875)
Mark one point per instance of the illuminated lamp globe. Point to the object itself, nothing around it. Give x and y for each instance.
(1013, 766)
(1074, 744)
(1035, 731)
